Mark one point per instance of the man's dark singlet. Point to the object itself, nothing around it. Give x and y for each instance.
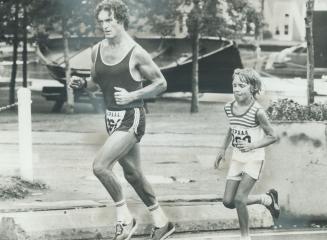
(118, 75)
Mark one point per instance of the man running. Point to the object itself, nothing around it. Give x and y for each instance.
(119, 67)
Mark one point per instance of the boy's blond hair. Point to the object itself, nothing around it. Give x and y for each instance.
(249, 76)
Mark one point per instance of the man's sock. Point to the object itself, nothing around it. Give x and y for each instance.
(123, 213)
(158, 216)
(266, 200)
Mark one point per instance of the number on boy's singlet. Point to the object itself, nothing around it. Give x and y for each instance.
(236, 139)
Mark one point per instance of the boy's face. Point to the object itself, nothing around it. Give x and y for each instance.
(241, 90)
(109, 24)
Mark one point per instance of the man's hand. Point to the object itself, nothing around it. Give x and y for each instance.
(245, 146)
(220, 157)
(77, 82)
(123, 97)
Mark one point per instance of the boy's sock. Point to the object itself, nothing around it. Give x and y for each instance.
(158, 216)
(266, 200)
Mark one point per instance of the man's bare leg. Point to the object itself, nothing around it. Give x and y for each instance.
(134, 175)
(116, 147)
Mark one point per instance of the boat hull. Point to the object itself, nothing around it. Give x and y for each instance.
(217, 61)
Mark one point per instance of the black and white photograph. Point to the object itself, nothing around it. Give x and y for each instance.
(163, 119)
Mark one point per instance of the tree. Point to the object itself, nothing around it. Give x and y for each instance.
(310, 57)
(24, 29)
(14, 20)
(17, 16)
(9, 24)
(205, 19)
(208, 18)
(194, 26)
(30, 9)
(65, 17)
(245, 17)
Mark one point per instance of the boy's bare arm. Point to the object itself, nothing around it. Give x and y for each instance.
(269, 138)
(221, 154)
(227, 140)
(270, 135)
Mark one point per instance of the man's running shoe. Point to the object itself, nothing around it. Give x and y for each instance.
(125, 231)
(273, 207)
(163, 232)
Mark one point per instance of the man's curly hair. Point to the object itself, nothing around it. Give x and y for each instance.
(117, 7)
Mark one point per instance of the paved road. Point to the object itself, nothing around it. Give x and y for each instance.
(298, 234)
(178, 150)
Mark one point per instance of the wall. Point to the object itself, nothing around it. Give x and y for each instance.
(296, 166)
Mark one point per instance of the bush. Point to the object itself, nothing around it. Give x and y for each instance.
(288, 110)
(17, 188)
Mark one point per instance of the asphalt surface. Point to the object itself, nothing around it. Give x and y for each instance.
(177, 153)
(298, 234)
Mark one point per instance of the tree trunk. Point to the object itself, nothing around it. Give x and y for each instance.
(195, 71)
(12, 84)
(69, 91)
(24, 46)
(310, 56)
(258, 39)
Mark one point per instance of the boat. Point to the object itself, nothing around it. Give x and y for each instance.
(218, 57)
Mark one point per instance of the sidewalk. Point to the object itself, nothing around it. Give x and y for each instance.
(177, 158)
(94, 220)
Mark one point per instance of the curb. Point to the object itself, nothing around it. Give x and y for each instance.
(95, 220)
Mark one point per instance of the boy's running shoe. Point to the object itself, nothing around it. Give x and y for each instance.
(125, 231)
(273, 207)
(163, 232)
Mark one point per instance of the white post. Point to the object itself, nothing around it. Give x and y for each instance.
(25, 134)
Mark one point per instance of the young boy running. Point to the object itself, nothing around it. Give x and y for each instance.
(249, 132)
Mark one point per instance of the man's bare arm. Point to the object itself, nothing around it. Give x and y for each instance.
(147, 70)
(88, 82)
(151, 72)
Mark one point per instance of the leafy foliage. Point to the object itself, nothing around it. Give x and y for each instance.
(157, 16)
(208, 16)
(216, 17)
(45, 16)
(243, 15)
(160, 16)
(76, 15)
(289, 110)
(7, 20)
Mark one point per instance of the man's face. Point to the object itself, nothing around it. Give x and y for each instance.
(109, 24)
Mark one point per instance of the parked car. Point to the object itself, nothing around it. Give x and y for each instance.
(292, 57)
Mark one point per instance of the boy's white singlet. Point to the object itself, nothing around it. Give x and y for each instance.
(245, 127)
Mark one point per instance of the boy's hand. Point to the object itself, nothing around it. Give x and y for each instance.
(220, 157)
(245, 146)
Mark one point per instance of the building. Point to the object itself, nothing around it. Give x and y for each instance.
(285, 18)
